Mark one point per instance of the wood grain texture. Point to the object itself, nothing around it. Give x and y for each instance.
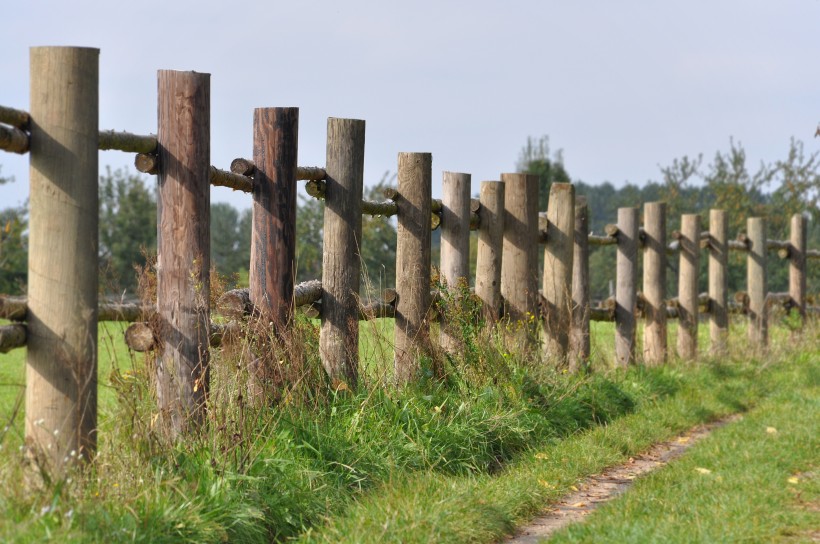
(626, 286)
(455, 249)
(718, 282)
(688, 287)
(489, 249)
(61, 370)
(756, 282)
(273, 232)
(797, 263)
(183, 248)
(412, 334)
(519, 262)
(341, 261)
(557, 279)
(579, 344)
(654, 283)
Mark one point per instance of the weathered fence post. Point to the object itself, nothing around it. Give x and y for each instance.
(654, 282)
(455, 248)
(626, 290)
(579, 346)
(688, 286)
(61, 369)
(341, 260)
(414, 201)
(273, 238)
(756, 282)
(797, 264)
(183, 247)
(718, 282)
(557, 280)
(519, 262)
(490, 242)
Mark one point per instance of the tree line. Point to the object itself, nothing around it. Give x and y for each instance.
(689, 185)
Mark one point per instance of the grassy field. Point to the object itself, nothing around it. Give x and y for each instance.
(453, 461)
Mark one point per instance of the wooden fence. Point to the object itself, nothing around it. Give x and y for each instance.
(58, 320)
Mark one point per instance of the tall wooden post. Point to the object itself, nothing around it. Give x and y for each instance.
(797, 264)
(273, 237)
(183, 247)
(61, 360)
(756, 282)
(579, 347)
(688, 286)
(490, 242)
(414, 203)
(654, 282)
(557, 279)
(341, 259)
(519, 263)
(626, 291)
(455, 248)
(718, 282)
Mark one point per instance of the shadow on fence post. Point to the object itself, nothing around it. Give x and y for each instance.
(61, 369)
(183, 248)
(688, 286)
(489, 249)
(626, 290)
(654, 283)
(341, 260)
(579, 346)
(455, 249)
(557, 279)
(797, 264)
(519, 262)
(414, 201)
(718, 282)
(756, 282)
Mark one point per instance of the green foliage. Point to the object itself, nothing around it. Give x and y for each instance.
(13, 250)
(229, 252)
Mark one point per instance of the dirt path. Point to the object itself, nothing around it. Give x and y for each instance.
(601, 488)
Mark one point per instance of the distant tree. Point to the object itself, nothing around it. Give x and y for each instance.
(378, 244)
(226, 242)
(13, 250)
(310, 220)
(535, 158)
(128, 228)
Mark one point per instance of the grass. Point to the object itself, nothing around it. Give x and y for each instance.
(460, 459)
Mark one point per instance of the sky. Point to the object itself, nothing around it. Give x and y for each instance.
(621, 88)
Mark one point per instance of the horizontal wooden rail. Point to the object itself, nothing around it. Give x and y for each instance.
(140, 336)
(13, 139)
(16, 118)
(236, 303)
(12, 336)
(246, 167)
(14, 309)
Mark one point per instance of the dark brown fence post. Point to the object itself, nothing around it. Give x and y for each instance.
(654, 282)
(61, 370)
(557, 280)
(626, 290)
(341, 261)
(519, 263)
(797, 264)
(579, 347)
(718, 282)
(273, 238)
(490, 244)
(183, 247)
(414, 203)
(688, 286)
(756, 282)
(455, 247)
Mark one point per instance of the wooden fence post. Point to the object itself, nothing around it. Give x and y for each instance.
(455, 248)
(688, 286)
(61, 360)
(273, 238)
(626, 291)
(756, 282)
(654, 282)
(183, 247)
(797, 264)
(519, 262)
(579, 333)
(557, 280)
(718, 282)
(490, 243)
(414, 203)
(341, 259)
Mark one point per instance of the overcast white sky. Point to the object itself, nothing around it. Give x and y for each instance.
(620, 86)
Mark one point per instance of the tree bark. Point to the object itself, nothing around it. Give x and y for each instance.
(718, 282)
(626, 290)
(490, 244)
(688, 287)
(455, 250)
(579, 344)
(557, 280)
(756, 282)
(654, 283)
